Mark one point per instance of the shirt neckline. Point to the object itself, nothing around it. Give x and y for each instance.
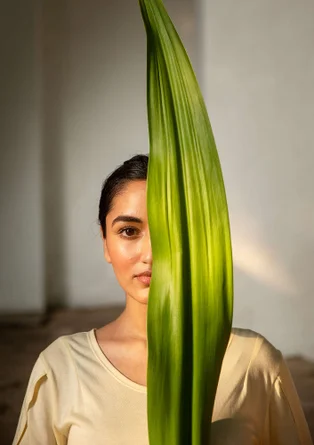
(110, 367)
(114, 371)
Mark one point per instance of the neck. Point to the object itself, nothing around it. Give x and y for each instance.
(133, 320)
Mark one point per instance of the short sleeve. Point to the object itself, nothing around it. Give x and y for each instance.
(35, 426)
(285, 423)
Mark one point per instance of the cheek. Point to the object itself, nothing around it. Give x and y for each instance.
(123, 253)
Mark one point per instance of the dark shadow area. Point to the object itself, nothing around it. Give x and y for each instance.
(223, 432)
(54, 53)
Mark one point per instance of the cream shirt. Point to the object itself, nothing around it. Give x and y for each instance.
(75, 396)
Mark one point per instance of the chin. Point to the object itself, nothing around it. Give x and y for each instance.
(144, 298)
(141, 296)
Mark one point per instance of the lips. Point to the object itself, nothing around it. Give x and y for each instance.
(145, 277)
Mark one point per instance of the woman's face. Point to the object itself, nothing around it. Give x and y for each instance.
(127, 244)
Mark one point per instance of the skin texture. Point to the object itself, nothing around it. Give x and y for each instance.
(127, 248)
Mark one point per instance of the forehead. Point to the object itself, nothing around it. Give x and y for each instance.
(130, 201)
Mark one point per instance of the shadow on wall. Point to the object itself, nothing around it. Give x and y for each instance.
(53, 97)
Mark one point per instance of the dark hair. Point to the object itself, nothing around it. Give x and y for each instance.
(134, 169)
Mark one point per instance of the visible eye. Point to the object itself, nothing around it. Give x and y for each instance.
(129, 232)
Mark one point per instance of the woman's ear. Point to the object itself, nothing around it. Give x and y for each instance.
(106, 252)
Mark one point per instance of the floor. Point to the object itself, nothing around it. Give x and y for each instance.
(21, 340)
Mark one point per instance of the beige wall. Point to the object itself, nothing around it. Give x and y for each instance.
(21, 228)
(258, 73)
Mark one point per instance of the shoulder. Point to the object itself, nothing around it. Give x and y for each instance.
(63, 352)
(258, 355)
(250, 367)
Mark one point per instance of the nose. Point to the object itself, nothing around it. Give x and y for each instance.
(147, 256)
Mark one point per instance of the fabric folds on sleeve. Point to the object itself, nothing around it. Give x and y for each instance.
(35, 426)
(285, 422)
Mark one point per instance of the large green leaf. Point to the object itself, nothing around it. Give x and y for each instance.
(191, 295)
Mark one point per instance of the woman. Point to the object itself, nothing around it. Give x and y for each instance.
(89, 388)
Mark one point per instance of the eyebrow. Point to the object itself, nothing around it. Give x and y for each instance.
(126, 218)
